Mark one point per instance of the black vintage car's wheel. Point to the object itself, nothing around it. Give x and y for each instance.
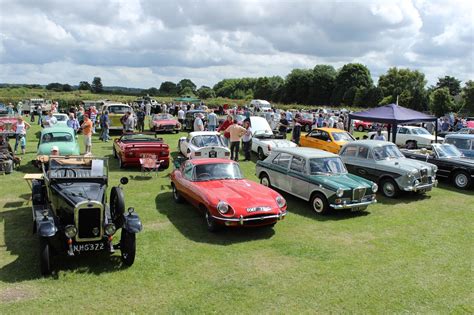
(319, 203)
(45, 256)
(211, 223)
(265, 181)
(389, 188)
(128, 247)
(117, 205)
(176, 195)
(260, 154)
(461, 180)
(307, 128)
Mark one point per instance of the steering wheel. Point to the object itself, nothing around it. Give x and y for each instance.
(204, 175)
(66, 170)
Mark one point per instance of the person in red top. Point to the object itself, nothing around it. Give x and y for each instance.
(87, 131)
(226, 124)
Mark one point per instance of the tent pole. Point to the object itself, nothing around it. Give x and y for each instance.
(394, 134)
(436, 131)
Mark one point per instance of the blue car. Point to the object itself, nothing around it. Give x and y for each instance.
(464, 143)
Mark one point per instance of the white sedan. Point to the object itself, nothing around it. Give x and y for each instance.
(263, 139)
(59, 120)
(203, 144)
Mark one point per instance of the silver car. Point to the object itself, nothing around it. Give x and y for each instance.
(383, 163)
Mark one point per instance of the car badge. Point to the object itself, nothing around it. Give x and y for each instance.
(95, 231)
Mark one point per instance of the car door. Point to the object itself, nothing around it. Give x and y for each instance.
(183, 184)
(402, 135)
(279, 171)
(183, 145)
(311, 139)
(299, 185)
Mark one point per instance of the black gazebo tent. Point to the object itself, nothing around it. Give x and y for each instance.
(393, 114)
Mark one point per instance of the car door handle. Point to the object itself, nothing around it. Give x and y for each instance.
(362, 171)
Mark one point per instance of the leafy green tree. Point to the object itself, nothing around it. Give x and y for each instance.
(96, 86)
(67, 88)
(84, 86)
(184, 83)
(168, 88)
(441, 101)
(453, 84)
(58, 87)
(205, 92)
(373, 97)
(350, 75)
(297, 86)
(187, 91)
(468, 97)
(349, 95)
(324, 82)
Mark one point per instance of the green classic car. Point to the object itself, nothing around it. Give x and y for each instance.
(316, 176)
(62, 137)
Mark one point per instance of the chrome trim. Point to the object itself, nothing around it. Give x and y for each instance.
(353, 205)
(86, 205)
(241, 219)
(421, 187)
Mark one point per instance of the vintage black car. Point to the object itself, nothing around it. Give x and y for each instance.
(452, 165)
(191, 116)
(71, 214)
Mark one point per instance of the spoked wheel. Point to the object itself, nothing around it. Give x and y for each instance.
(360, 128)
(260, 154)
(461, 180)
(389, 188)
(127, 247)
(265, 181)
(176, 195)
(45, 256)
(319, 203)
(211, 223)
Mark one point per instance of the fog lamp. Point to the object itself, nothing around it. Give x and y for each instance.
(110, 229)
(70, 231)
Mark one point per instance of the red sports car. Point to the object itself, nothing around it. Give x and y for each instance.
(164, 122)
(305, 120)
(217, 188)
(129, 148)
(362, 125)
(7, 125)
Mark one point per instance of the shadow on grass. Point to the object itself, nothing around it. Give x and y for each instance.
(22, 243)
(404, 197)
(446, 184)
(191, 223)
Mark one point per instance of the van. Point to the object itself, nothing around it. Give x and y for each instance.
(116, 111)
(260, 106)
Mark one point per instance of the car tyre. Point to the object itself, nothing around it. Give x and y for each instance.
(45, 256)
(176, 195)
(307, 128)
(461, 180)
(319, 203)
(389, 188)
(260, 154)
(360, 128)
(211, 223)
(128, 247)
(117, 205)
(265, 180)
(120, 163)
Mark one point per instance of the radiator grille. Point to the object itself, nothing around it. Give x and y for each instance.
(88, 223)
(358, 193)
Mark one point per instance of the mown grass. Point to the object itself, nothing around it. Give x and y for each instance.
(412, 254)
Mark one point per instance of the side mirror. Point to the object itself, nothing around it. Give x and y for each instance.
(124, 180)
(328, 140)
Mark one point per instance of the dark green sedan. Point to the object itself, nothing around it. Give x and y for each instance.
(316, 176)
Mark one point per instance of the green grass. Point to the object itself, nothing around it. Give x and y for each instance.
(412, 254)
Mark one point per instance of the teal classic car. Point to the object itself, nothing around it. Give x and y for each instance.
(317, 176)
(62, 137)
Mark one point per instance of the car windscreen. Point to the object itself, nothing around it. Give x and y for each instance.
(463, 144)
(216, 171)
(56, 137)
(447, 150)
(60, 117)
(162, 117)
(333, 165)
(387, 152)
(206, 141)
(139, 137)
(342, 136)
(117, 109)
(420, 131)
(307, 116)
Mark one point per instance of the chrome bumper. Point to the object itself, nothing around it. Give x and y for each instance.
(241, 219)
(426, 187)
(353, 205)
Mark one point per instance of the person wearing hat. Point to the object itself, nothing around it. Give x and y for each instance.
(54, 151)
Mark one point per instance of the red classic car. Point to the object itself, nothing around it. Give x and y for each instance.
(362, 125)
(7, 125)
(305, 120)
(129, 148)
(217, 188)
(164, 122)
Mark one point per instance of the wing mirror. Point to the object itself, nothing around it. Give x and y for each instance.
(328, 140)
(124, 180)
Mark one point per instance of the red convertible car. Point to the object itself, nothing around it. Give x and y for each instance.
(217, 188)
(129, 148)
(362, 125)
(164, 122)
(7, 125)
(305, 120)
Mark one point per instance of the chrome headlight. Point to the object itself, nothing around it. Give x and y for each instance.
(375, 187)
(70, 231)
(339, 192)
(280, 201)
(110, 229)
(413, 173)
(222, 207)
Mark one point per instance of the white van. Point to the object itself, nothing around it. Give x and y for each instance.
(260, 105)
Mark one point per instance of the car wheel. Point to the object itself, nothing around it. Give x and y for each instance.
(307, 128)
(120, 163)
(461, 180)
(260, 154)
(411, 144)
(389, 188)
(45, 256)
(128, 245)
(176, 195)
(211, 223)
(114, 152)
(360, 128)
(117, 205)
(319, 203)
(265, 181)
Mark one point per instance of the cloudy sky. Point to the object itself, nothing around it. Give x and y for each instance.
(141, 43)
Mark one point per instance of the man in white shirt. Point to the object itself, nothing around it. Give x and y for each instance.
(198, 123)
(212, 121)
(50, 120)
(379, 135)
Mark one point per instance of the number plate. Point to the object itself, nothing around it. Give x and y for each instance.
(358, 208)
(212, 154)
(88, 247)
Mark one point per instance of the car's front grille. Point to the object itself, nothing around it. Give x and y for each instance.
(88, 223)
(424, 176)
(358, 193)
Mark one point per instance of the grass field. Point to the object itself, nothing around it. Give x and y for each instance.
(412, 254)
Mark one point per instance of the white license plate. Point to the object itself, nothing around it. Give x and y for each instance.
(212, 154)
(88, 247)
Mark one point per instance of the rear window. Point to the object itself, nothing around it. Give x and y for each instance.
(56, 137)
(463, 144)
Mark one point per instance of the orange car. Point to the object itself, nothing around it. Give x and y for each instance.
(327, 139)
